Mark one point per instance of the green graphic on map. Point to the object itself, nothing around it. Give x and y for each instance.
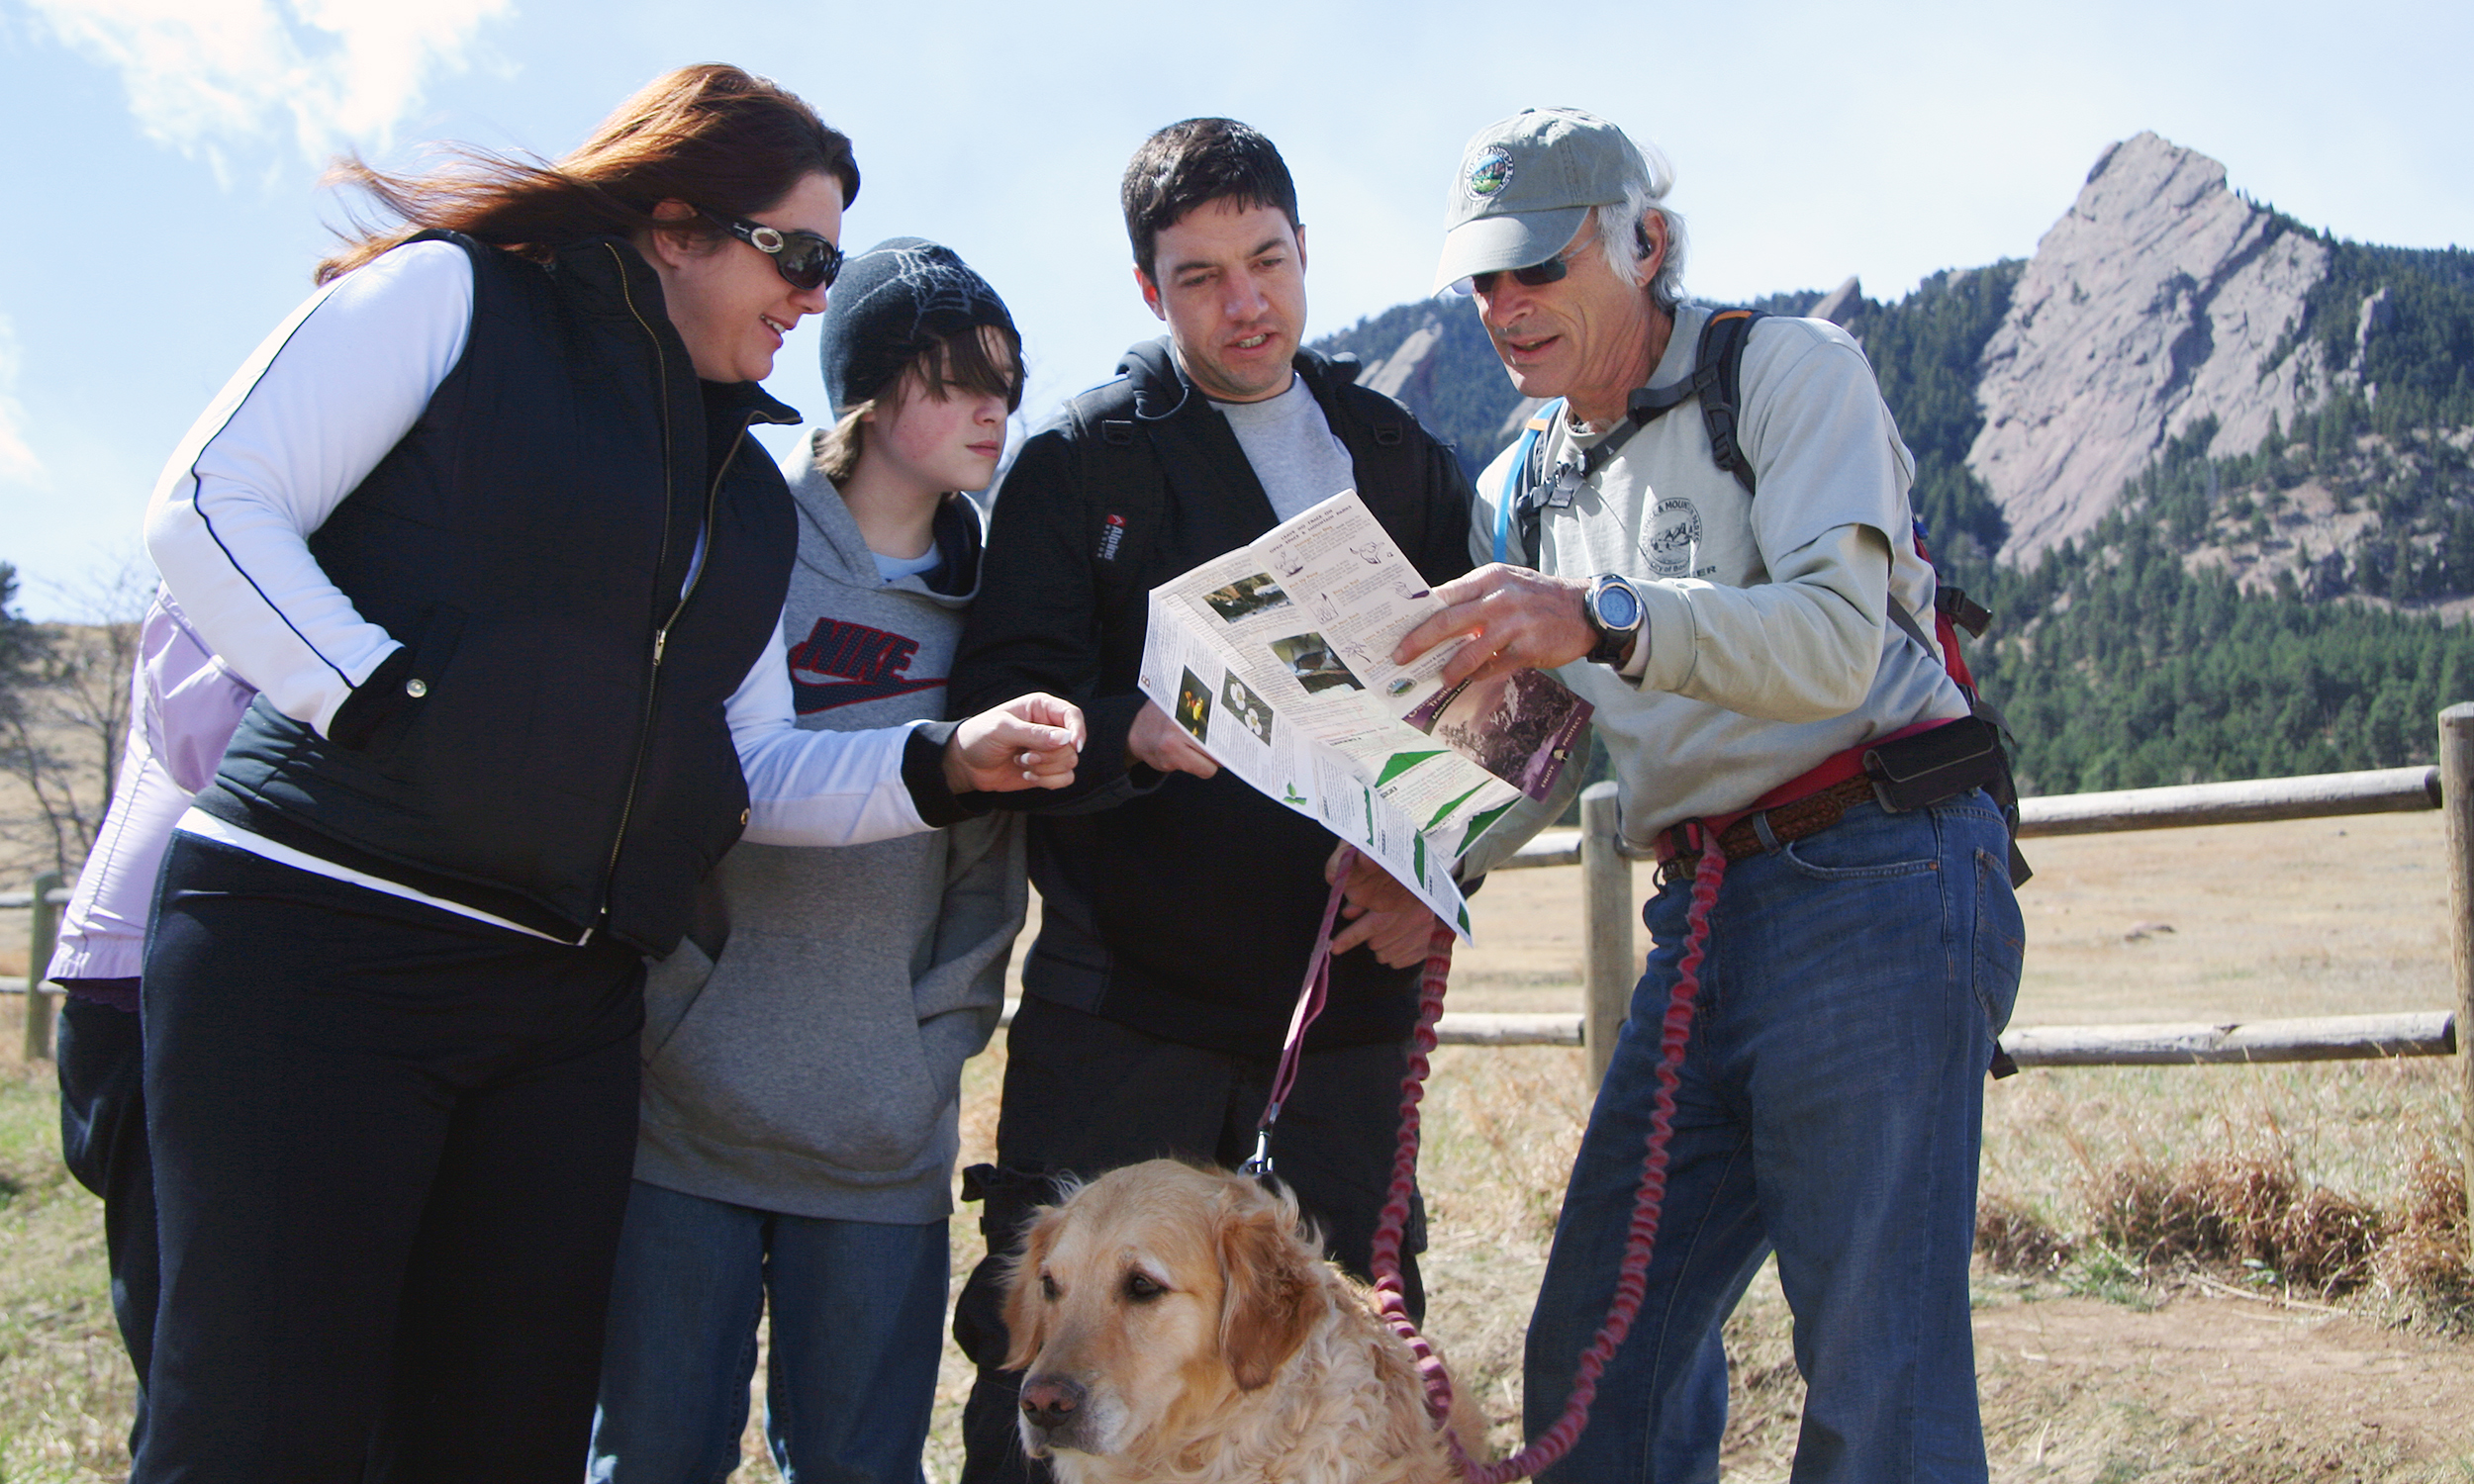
(1401, 761)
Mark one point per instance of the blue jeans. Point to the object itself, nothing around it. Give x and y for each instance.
(858, 1315)
(1831, 1110)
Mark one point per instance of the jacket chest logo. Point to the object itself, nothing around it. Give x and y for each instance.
(1112, 536)
(861, 664)
(1674, 542)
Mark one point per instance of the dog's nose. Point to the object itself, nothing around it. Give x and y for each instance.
(1051, 1401)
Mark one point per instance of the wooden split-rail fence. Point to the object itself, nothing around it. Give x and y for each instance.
(1609, 907)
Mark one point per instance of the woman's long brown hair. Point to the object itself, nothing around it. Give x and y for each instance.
(711, 136)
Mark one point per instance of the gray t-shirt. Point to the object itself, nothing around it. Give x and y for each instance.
(1291, 449)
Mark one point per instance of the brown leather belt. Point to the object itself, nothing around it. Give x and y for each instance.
(1763, 830)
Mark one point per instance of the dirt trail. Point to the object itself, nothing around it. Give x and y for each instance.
(2082, 1388)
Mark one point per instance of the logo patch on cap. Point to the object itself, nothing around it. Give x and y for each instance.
(1491, 171)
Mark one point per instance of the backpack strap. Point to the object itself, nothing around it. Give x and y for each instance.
(1120, 474)
(1125, 475)
(1718, 376)
(1717, 379)
(1518, 480)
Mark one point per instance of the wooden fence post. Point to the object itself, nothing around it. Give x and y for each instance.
(2456, 808)
(45, 932)
(1606, 915)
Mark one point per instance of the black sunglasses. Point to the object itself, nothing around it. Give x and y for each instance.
(803, 259)
(1534, 276)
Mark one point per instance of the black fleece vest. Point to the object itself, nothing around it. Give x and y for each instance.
(556, 753)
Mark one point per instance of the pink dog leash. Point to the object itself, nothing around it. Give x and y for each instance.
(1311, 996)
(1631, 1277)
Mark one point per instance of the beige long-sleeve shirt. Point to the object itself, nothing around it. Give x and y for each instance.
(1767, 643)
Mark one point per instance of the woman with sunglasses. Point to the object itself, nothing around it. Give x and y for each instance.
(485, 523)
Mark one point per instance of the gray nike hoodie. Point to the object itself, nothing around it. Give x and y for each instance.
(803, 1047)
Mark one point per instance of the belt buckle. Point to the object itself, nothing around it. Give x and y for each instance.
(1677, 860)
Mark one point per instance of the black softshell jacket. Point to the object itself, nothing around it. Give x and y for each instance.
(1182, 907)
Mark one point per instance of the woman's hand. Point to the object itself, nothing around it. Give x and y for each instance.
(1030, 742)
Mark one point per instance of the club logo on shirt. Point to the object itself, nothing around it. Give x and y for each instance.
(1674, 538)
(1490, 172)
(863, 663)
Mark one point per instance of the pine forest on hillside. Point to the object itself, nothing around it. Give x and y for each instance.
(2287, 612)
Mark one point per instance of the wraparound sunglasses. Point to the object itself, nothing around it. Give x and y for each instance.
(1534, 276)
(803, 259)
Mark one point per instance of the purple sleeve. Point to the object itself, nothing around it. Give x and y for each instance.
(189, 700)
(184, 705)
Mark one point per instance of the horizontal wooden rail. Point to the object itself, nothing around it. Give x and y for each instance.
(59, 898)
(1469, 1028)
(2323, 795)
(2327, 1038)
(2324, 1038)
(2384, 790)
(1546, 848)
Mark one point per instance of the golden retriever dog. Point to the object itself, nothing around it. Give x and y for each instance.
(1177, 1324)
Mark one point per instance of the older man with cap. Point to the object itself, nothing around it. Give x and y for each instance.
(1749, 657)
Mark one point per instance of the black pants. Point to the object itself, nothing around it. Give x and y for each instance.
(103, 1140)
(1084, 1095)
(392, 1149)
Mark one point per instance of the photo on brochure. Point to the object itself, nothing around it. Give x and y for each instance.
(1193, 705)
(1521, 727)
(1241, 702)
(1310, 659)
(1246, 596)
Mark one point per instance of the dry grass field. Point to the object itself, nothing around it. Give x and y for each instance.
(2222, 1274)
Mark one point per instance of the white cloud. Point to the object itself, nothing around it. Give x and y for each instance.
(18, 463)
(206, 74)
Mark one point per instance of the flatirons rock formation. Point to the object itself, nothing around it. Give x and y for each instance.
(2154, 303)
(1409, 373)
(1842, 304)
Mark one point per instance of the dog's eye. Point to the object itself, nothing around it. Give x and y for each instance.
(1140, 1288)
(1048, 1288)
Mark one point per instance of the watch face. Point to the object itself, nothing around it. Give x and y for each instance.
(1619, 608)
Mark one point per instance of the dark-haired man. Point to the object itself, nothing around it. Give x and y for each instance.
(1748, 644)
(1178, 905)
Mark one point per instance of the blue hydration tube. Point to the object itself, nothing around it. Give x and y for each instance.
(1539, 422)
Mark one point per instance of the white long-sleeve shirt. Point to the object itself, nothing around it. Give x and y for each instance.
(297, 429)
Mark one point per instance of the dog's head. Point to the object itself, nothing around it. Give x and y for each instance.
(1149, 1295)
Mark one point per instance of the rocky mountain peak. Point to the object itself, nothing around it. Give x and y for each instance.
(2153, 304)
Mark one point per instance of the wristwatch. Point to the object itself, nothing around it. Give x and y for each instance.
(1613, 607)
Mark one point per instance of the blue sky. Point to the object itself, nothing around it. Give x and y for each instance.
(162, 154)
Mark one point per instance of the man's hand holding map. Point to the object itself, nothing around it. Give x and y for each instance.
(1278, 659)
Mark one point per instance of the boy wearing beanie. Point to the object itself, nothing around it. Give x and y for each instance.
(803, 1047)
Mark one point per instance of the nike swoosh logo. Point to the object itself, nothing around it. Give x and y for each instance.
(807, 699)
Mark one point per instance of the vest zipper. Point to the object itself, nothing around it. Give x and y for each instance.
(652, 679)
(712, 501)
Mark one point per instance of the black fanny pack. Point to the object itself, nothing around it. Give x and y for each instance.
(1928, 767)
(1945, 762)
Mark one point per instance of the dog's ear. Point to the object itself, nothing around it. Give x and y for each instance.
(1269, 1300)
(1025, 1309)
